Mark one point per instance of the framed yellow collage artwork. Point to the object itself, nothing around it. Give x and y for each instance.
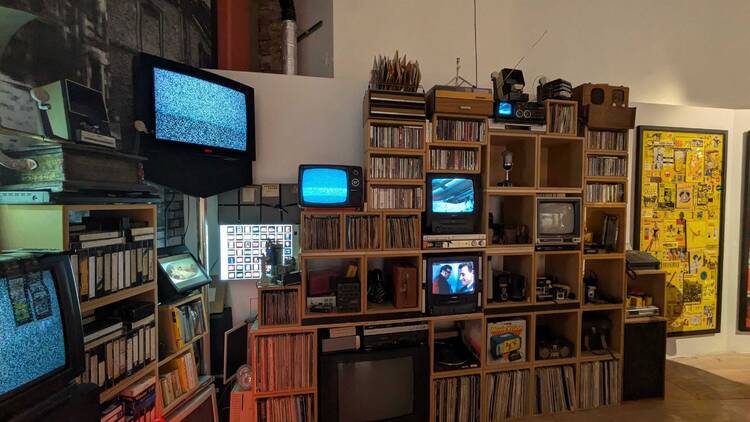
(678, 218)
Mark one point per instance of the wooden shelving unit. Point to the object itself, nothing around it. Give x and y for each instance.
(46, 227)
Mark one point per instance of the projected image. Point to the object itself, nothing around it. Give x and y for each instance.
(324, 186)
(454, 195)
(33, 342)
(194, 111)
(243, 248)
(451, 278)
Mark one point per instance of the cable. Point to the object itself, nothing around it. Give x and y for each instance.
(187, 222)
(476, 54)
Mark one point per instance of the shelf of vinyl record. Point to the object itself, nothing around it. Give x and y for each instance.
(284, 362)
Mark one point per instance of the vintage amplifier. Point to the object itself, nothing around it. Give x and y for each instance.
(383, 104)
(605, 106)
(459, 100)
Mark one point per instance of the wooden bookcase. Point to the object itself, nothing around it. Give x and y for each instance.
(46, 227)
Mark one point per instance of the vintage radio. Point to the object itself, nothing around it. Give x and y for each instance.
(459, 100)
(519, 112)
(404, 286)
(605, 106)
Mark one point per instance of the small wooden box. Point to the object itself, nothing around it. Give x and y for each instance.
(471, 102)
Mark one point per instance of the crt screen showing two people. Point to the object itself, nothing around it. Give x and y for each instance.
(451, 278)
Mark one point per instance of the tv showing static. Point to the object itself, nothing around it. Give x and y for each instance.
(201, 127)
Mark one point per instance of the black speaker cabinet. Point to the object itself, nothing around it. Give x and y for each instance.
(644, 360)
(220, 323)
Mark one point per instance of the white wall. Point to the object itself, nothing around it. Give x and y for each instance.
(315, 53)
(685, 52)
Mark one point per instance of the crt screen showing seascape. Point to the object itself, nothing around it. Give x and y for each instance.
(325, 186)
(455, 195)
(33, 340)
(453, 278)
(194, 111)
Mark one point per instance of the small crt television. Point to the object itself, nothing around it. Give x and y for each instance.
(179, 272)
(558, 223)
(330, 186)
(453, 283)
(453, 204)
(41, 351)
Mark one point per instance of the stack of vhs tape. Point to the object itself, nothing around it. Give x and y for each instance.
(107, 261)
(115, 349)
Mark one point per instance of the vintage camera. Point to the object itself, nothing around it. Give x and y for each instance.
(550, 346)
(548, 290)
(508, 287)
(595, 334)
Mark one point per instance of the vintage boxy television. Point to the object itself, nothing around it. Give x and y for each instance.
(330, 186)
(453, 283)
(41, 351)
(179, 272)
(453, 204)
(558, 223)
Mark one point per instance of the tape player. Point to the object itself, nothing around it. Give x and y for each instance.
(519, 112)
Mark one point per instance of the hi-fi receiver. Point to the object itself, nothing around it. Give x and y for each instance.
(452, 241)
(519, 112)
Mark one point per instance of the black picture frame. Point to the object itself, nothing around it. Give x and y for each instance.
(637, 210)
(743, 322)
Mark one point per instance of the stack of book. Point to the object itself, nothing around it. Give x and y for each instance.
(457, 399)
(401, 232)
(179, 325)
(397, 137)
(599, 384)
(114, 350)
(406, 168)
(606, 166)
(321, 232)
(280, 307)
(454, 159)
(460, 130)
(139, 401)
(598, 139)
(363, 232)
(386, 197)
(556, 389)
(107, 261)
(563, 119)
(284, 362)
(605, 192)
(179, 377)
(509, 394)
(287, 409)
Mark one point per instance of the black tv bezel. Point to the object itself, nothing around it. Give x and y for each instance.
(167, 289)
(144, 66)
(28, 395)
(328, 362)
(473, 219)
(438, 300)
(578, 210)
(349, 193)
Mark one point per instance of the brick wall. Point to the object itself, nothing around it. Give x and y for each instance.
(269, 36)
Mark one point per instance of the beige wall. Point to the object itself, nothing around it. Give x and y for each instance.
(686, 52)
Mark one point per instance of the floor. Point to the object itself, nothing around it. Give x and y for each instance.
(712, 388)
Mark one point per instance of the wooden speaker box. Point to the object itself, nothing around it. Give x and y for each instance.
(605, 106)
(405, 287)
(452, 100)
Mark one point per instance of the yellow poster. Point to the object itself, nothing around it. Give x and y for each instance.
(680, 213)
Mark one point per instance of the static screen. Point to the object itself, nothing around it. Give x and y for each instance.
(556, 218)
(194, 111)
(324, 186)
(33, 340)
(453, 277)
(451, 196)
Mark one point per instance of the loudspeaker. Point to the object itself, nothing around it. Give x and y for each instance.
(220, 323)
(644, 360)
(605, 106)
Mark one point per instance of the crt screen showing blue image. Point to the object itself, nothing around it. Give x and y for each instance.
(452, 196)
(194, 111)
(453, 278)
(324, 186)
(504, 109)
(33, 341)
